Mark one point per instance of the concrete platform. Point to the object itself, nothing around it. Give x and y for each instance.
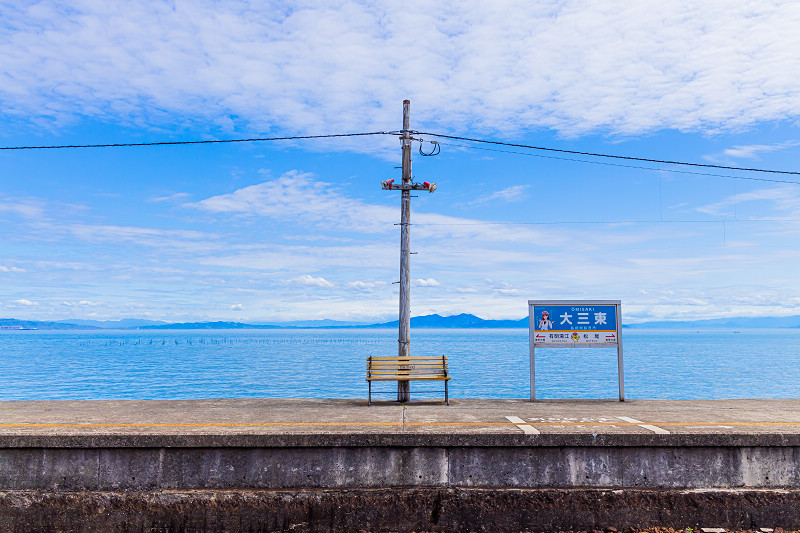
(228, 417)
(546, 465)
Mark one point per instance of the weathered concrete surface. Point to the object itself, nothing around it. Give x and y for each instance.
(483, 465)
(168, 468)
(401, 510)
(259, 417)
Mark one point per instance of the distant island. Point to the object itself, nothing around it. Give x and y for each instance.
(463, 320)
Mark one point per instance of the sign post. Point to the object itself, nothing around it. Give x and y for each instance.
(575, 324)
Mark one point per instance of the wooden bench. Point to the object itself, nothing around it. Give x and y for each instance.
(407, 369)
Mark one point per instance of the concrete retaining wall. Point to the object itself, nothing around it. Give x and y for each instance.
(143, 469)
(409, 509)
(396, 482)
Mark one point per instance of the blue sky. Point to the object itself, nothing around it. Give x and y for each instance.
(289, 230)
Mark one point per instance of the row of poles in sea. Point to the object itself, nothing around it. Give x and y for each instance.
(189, 341)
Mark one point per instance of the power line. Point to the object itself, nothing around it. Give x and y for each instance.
(572, 159)
(594, 154)
(440, 135)
(607, 222)
(173, 143)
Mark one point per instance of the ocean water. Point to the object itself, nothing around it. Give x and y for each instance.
(331, 363)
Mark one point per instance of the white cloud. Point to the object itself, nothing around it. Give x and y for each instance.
(575, 65)
(366, 286)
(163, 239)
(503, 287)
(178, 196)
(515, 193)
(11, 269)
(430, 282)
(752, 151)
(82, 303)
(27, 208)
(297, 198)
(785, 199)
(308, 281)
(26, 303)
(236, 307)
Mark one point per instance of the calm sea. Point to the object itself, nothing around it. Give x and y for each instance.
(318, 363)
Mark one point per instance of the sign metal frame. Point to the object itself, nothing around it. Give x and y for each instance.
(575, 334)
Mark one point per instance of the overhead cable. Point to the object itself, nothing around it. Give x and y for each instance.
(173, 143)
(606, 163)
(594, 154)
(435, 150)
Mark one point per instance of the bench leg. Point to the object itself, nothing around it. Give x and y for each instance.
(446, 399)
(369, 397)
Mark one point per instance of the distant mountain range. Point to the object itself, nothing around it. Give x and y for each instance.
(724, 323)
(463, 320)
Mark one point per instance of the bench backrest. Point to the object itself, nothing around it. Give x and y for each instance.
(407, 367)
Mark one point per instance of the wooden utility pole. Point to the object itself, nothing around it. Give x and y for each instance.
(404, 336)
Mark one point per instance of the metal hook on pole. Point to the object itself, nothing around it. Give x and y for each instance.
(434, 151)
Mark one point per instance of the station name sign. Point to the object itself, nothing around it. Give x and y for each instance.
(558, 323)
(575, 324)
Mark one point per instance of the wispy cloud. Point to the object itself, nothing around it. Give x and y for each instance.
(28, 208)
(574, 66)
(752, 151)
(502, 287)
(178, 196)
(515, 193)
(82, 303)
(299, 198)
(163, 239)
(296, 196)
(784, 199)
(308, 281)
(366, 286)
(26, 303)
(11, 269)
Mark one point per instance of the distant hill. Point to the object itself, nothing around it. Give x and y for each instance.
(428, 321)
(316, 324)
(723, 323)
(463, 320)
(125, 323)
(37, 324)
(210, 325)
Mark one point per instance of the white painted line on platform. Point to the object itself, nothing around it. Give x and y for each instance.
(526, 428)
(654, 429)
(630, 420)
(650, 427)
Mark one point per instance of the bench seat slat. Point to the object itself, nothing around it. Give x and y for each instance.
(401, 378)
(412, 358)
(406, 362)
(407, 377)
(422, 368)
